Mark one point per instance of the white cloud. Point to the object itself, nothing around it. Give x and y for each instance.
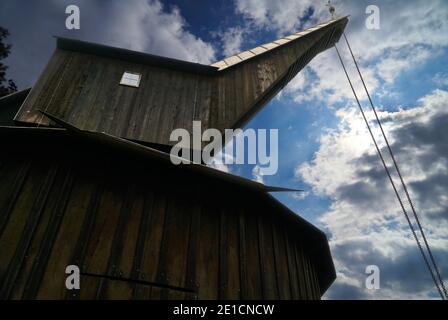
(142, 25)
(391, 65)
(410, 34)
(323, 79)
(222, 161)
(364, 218)
(440, 79)
(300, 195)
(232, 39)
(282, 16)
(151, 27)
(257, 174)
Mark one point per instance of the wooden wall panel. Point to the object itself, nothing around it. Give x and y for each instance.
(39, 94)
(253, 268)
(267, 258)
(230, 264)
(153, 239)
(16, 227)
(281, 263)
(172, 267)
(13, 175)
(84, 90)
(101, 236)
(135, 238)
(292, 268)
(127, 241)
(60, 241)
(207, 269)
(42, 261)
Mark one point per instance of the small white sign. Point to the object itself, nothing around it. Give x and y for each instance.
(130, 79)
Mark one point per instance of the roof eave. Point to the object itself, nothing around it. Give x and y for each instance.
(132, 56)
(223, 65)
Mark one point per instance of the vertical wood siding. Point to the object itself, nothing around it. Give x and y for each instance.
(136, 237)
(83, 89)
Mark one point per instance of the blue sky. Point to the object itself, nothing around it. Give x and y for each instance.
(323, 144)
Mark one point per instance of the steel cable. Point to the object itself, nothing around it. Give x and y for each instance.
(391, 180)
(398, 170)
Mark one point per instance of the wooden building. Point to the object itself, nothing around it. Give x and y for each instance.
(87, 181)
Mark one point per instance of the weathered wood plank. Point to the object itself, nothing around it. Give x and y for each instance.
(153, 239)
(44, 86)
(254, 288)
(292, 269)
(34, 281)
(51, 283)
(281, 263)
(22, 251)
(174, 250)
(15, 226)
(232, 286)
(267, 258)
(208, 260)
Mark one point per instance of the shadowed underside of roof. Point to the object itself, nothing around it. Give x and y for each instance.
(90, 149)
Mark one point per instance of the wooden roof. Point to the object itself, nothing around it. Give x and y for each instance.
(152, 59)
(261, 49)
(132, 56)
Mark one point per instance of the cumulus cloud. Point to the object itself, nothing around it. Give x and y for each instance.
(281, 16)
(232, 39)
(257, 174)
(382, 54)
(441, 79)
(364, 220)
(149, 26)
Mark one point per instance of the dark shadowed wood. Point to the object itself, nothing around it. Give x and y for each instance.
(132, 236)
(267, 258)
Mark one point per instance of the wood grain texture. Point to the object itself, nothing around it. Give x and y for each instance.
(83, 89)
(135, 235)
(144, 230)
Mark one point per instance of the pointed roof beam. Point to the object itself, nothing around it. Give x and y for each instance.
(149, 152)
(249, 54)
(249, 80)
